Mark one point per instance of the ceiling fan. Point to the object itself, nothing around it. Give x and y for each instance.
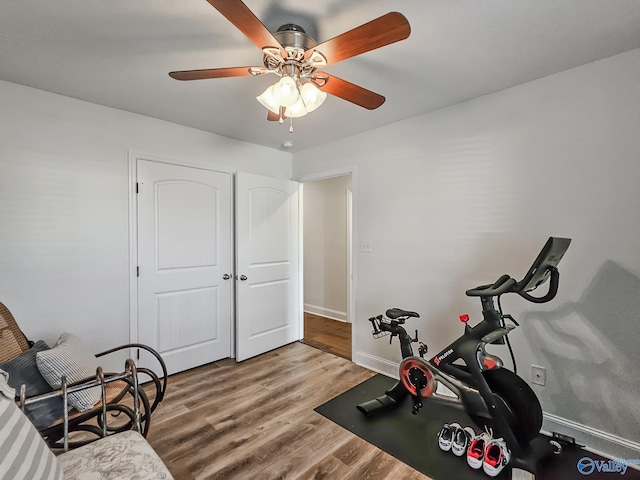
(295, 57)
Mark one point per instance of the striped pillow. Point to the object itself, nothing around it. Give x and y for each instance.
(23, 453)
(70, 357)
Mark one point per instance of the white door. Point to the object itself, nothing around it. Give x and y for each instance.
(267, 245)
(185, 263)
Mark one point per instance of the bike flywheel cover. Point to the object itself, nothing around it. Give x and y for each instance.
(414, 370)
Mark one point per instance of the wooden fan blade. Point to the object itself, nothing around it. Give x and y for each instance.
(211, 73)
(274, 117)
(239, 14)
(384, 30)
(351, 92)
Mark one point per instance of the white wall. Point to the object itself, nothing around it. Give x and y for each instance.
(455, 198)
(325, 247)
(64, 238)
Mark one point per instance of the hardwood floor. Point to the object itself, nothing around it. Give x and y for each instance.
(255, 420)
(332, 336)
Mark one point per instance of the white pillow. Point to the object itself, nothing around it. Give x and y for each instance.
(70, 357)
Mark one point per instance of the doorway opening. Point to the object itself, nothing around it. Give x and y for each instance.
(327, 244)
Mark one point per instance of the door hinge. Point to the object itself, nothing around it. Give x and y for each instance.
(137, 271)
(137, 189)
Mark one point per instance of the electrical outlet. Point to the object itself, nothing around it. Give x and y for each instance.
(366, 247)
(538, 375)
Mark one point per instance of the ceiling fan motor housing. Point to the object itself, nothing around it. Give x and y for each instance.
(295, 42)
(294, 36)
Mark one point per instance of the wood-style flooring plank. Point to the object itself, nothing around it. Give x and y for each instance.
(330, 335)
(255, 420)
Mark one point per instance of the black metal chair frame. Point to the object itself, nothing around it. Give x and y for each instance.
(95, 421)
(116, 398)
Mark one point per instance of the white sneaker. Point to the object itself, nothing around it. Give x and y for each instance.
(477, 449)
(496, 457)
(461, 440)
(445, 437)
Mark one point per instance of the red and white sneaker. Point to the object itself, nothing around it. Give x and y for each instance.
(496, 457)
(477, 449)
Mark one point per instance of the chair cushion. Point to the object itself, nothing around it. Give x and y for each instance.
(123, 456)
(23, 452)
(23, 370)
(70, 357)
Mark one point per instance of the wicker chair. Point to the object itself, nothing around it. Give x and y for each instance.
(122, 394)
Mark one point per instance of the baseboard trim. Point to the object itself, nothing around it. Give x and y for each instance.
(326, 312)
(377, 364)
(596, 441)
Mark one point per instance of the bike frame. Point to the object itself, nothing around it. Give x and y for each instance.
(467, 381)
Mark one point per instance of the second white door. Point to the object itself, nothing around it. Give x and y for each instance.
(267, 245)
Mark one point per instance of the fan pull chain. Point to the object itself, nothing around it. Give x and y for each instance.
(291, 125)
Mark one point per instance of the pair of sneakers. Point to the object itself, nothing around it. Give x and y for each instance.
(490, 454)
(482, 451)
(455, 438)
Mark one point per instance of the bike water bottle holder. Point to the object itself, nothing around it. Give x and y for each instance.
(380, 334)
(377, 331)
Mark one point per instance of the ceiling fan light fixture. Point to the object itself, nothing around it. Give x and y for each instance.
(296, 110)
(295, 57)
(312, 96)
(285, 92)
(267, 99)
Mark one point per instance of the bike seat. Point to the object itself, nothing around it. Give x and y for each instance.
(394, 313)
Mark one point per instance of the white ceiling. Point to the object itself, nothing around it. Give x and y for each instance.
(118, 53)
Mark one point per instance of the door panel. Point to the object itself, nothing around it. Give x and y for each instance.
(273, 299)
(267, 287)
(182, 240)
(184, 249)
(199, 306)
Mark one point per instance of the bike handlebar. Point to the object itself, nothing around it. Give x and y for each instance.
(507, 284)
(504, 284)
(553, 288)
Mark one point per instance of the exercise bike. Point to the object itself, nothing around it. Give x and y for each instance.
(487, 391)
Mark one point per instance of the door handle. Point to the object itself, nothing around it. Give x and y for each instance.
(243, 277)
(226, 276)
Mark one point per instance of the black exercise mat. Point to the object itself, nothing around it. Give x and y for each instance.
(413, 440)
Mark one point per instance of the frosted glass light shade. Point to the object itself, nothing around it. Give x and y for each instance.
(267, 100)
(296, 110)
(285, 92)
(312, 96)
